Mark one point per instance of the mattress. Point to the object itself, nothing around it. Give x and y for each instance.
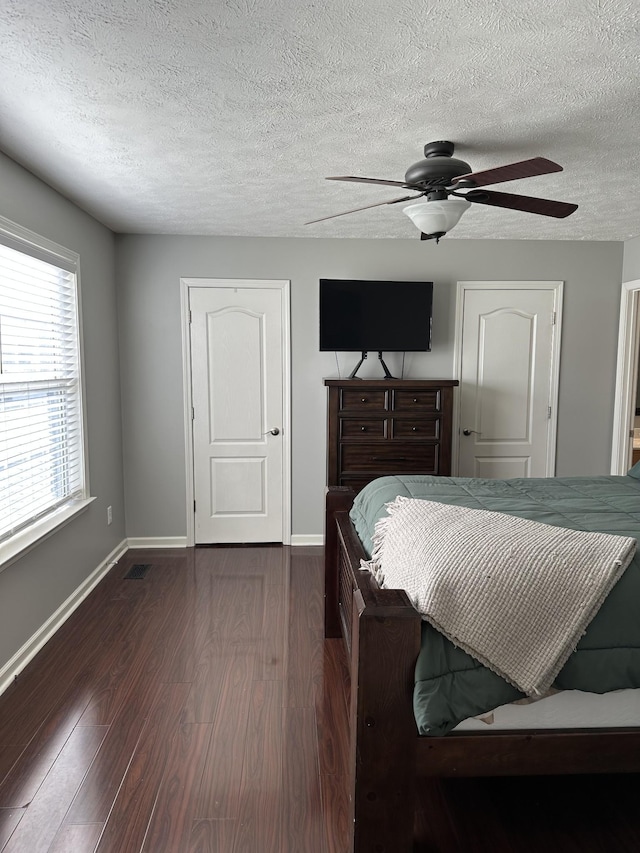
(571, 709)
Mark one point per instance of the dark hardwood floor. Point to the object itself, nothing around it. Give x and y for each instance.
(199, 710)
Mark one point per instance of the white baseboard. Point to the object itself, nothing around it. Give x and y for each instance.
(181, 541)
(157, 542)
(17, 663)
(307, 539)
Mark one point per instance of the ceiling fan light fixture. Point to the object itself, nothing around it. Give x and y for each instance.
(438, 216)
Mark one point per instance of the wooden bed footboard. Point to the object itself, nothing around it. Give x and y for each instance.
(381, 630)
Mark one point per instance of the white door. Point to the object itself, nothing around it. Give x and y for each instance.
(237, 377)
(627, 392)
(508, 369)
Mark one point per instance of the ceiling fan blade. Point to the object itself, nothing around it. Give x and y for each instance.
(374, 181)
(511, 172)
(543, 206)
(366, 207)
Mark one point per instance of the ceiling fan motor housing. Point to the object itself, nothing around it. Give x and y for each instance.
(438, 168)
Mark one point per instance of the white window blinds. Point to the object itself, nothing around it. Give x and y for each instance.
(41, 440)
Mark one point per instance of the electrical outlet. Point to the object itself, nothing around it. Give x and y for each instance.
(109, 515)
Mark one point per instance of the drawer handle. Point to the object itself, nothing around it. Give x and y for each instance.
(414, 429)
(415, 399)
(363, 400)
(389, 458)
(363, 429)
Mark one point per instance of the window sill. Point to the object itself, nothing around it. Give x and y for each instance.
(22, 542)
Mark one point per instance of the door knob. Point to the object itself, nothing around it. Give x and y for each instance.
(469, 431)
(274, 431)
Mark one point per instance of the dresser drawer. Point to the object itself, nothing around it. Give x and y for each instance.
(392, 457)
(405, 400)
(363, 427)
(416, 428)
(368, 400)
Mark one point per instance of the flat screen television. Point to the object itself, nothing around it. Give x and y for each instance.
(367, 316)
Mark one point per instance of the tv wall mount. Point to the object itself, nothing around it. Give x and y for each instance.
(387, 375)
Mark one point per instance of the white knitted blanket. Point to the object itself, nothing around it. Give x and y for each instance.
(515, 594)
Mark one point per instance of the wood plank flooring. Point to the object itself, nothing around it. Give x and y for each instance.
(179, 712)
(199, 710)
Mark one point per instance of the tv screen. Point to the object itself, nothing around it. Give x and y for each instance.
(367, 316)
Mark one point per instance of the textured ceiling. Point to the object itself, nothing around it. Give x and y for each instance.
(210, 117)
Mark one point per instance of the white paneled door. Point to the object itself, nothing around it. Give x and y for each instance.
(508, 354)
(237, 377)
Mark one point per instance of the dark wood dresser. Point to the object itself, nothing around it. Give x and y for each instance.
(387, 426)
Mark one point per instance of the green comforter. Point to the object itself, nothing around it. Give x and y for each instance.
(450, 685)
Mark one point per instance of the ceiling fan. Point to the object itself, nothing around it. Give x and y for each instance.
(449, 187)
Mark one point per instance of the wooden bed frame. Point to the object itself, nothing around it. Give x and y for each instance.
(381, 630)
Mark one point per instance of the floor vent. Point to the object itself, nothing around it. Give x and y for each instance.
(137, 571)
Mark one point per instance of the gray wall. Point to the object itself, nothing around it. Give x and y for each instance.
(149, 269)
(32, 588)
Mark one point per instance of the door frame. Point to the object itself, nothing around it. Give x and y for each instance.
(558, 289)
(284, 286)
(626, 375)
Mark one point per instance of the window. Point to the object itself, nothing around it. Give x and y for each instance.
(42, 458)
